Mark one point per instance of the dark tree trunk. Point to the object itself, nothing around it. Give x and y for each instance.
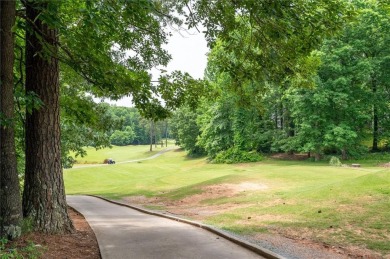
(166, 133)
(155, 136)
(317, 156)
(10, 200)
(281, 116)
(151, 135)
(344, 154)
(375, 133)
(44, 195)
(290, 131)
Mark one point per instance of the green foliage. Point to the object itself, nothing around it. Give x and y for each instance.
(266, 40)
(122, 138)
(83, 123)
(114, 45)
(186, 130)
(131, 117)
(29, 251)
(216, 128)
(234, 155)
(335, 161)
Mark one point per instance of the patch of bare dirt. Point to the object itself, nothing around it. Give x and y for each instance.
(387, 165)
(295, 243)
(81, 244)
(308, 249)
(193, 207)
(302, 241)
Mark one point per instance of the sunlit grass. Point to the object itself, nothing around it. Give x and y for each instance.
(118, 153)
(336, 205)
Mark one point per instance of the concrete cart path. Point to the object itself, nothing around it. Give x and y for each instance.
(126, 233)
(78, 166)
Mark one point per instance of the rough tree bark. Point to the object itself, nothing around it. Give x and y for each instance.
(44, 195)
(10, 200)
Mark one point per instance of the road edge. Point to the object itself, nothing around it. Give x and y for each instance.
(254, 248)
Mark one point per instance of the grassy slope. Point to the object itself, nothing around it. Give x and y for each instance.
(118, 153)
(354, 204)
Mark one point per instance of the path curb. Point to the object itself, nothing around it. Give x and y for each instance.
(254, 248)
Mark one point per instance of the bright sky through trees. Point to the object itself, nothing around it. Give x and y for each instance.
(188, 50)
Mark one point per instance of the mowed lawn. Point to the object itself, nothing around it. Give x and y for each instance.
(337, 205)
(117, 153)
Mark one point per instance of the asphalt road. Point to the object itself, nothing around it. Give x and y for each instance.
(126, 233)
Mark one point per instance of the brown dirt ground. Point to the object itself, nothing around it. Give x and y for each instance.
(385, 165)
(195, 208)
(81, 244)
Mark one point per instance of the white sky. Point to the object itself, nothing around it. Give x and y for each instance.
(188, 50)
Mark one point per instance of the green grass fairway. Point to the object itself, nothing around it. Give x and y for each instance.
(119, 154)
(336, 205)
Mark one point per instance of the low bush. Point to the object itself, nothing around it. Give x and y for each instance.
(335, 161)
(235, 155)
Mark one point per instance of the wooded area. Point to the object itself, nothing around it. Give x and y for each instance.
(335, 102)
(290, 76)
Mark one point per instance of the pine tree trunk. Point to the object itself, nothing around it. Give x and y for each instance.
(44, 195)
(166, 134)
(344, 154)
(154, 134)
(10, 200)
(375, 132)
(151, 135)
(317, 156)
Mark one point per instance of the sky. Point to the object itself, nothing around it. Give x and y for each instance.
(188, 50)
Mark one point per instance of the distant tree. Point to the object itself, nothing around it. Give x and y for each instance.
(369, 37)
(122, 138)
(186, 130)
(352, 87)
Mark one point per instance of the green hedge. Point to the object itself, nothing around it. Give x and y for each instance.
(234, 155)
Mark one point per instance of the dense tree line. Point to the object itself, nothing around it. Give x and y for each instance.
(133, 129)
(336, 103)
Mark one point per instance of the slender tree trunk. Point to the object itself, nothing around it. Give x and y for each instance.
(290, 130)
(281, 116)
(10, 200)
(151, 135)
(375, 133)
(44, 194)
(166, 133)
(155, 135)
(344, 154)
(317, 156)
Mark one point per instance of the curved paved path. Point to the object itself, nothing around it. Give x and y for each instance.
(123, 162)
(126, 233)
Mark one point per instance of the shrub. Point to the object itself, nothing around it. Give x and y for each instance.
(234, 155)
(122, 138)
(335, 161)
